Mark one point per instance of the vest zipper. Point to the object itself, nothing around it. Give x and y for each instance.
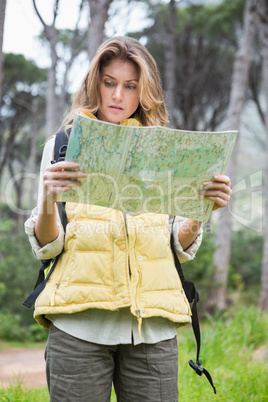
(53, 294)
(125, 222)
(139, 322)
(139, 318)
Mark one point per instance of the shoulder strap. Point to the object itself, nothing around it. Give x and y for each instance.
(61, 143)
(60, 148)
(41, 281)
(193, 298)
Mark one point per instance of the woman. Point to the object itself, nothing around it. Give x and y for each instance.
(114, 301)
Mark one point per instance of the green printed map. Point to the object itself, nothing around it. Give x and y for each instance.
(146, 169)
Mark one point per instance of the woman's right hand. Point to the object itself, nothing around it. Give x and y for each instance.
(60, 177)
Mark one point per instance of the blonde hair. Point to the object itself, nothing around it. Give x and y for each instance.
(151, 110)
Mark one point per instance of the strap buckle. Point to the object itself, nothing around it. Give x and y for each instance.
(196, 366)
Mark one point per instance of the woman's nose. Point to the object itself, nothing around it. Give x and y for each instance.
(118, 93)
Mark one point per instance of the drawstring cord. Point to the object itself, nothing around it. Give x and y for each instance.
(139, 322)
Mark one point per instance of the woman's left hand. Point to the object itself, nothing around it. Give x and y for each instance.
(217, 190)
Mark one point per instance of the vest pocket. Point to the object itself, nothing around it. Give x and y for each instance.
(92, 235)
(92, 268)
(152, 243)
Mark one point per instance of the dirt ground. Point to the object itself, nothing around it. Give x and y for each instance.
(22, 365)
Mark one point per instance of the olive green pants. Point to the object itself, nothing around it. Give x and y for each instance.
(79, 371)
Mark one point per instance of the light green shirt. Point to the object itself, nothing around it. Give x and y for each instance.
(114, 327)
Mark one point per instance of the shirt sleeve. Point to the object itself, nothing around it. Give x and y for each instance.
(50, 250)
(189, 254)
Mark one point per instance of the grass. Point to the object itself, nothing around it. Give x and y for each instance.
(18, 394)
(228, 342)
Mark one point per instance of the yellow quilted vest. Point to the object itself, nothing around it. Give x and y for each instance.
(110, 261)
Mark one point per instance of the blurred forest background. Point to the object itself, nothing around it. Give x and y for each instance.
(213, 60)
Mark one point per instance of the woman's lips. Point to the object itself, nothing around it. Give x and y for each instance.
(113, 107)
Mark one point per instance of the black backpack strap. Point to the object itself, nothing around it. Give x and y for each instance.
(41, 281)
(61, 143)
(60, 148)
(193, 298)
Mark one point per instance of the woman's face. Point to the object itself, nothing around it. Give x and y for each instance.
(119, 91)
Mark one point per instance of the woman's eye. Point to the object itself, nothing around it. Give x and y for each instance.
(108, 84)
(131, 87)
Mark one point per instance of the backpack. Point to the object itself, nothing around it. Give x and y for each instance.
(48, 266)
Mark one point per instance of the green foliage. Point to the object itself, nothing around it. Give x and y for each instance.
(226, 20)
(246, 258)
(37, 333)
(21, 114)
(200, 269)
(10, 328)
(17, 393)
(18, 267)
(66, 37)
(245, 261)
(228, 342)
(24, 86)
(206, 42)
(244, 270)
(218, 22)
(19, 70)
(18, 273)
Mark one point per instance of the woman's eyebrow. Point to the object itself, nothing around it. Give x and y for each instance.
(113, 78)
(110, 76)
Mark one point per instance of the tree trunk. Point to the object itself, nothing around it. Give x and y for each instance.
(57, 94)
(217, 294)
(33, 155)
(263, 34)
(98, 11)
(51, 97)
(2, 21)
(18, 187)
(50, 33)
(170, 61)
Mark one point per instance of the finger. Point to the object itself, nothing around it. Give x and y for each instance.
(62, 165)
(220, 199)
(217, 185)
(218, 202)
(55, 188)
(62, 183)
(222, 178)
(212, 195)
(54, 192)
(64, 174)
